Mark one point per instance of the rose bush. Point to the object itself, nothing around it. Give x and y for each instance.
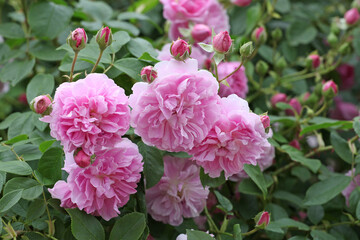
(180, 119)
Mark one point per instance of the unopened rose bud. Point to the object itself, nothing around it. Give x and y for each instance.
(296, 105)
(329, 89)
(241, 3)
(222, 42)
(314, 60)
(180, 50)
(352, 16)
(200, 32)
(305, 96)
(345, 49)
(77, 39)
(279, 97)
(261, 68)
(280, 64)
(262, 220)
(295, 143)
(335, 28)
(259, 35)
(246, 50)
(41, 104)
(332, 39)
(148, 74)
(82, 159)
(265, 120)
(104, 37)
(277, 34)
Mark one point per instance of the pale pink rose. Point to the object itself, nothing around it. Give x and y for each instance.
(89, 113)
(196, 53)
(211, 14)
(349, 189)
(104, 186)
(265, 161)
(352, 16)
(183, 10)
(344, 110)
(200, 32)
(178, 109)
(237, 138)
(237, 82)
(296, 106)
(178, 194)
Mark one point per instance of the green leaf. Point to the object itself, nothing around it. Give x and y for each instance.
(288, 196)
(283, 106)
(23, 124)
(11, 30)
(130, 226)
(130, 66)
(17, 139)
(358, 211)
(9, 200)
(237, 232)
(298, 238)
(16, 167)
(120, 38)
(320, 235)
(341, 147)
(36, 209)
(315, 213)
(41, 84)
(153, 164)
(98, 10)
(218, 57)
(31, 188)
(298, 156)
(84, 226)
(356, 125)
(125, 26)
(253, 14)
(197, 235)
(300, 33)
(324, 125)
(138, 16)
(47, 52)
(7, 122)
(138, 46)
(256, 175)
(45, 145)
(286, 223)
(48, 20)
(147, 57)
(247, 186)
(301, 172)
(224, 202)
(2, 179)
(50, 164)
(11, 71)
(206, 47)
(323, 191)
(283, 6)
(206, 180)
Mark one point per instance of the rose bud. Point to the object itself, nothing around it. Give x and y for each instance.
(77, 39)
(82, 159)
(148, 74)
(314, 61)
(295, 143)
(329, 89)
(180, 50)
(279, 97)
(261, 68)
(296, 106)
(222, 42)
(241, 3)
(352, 16)
(41, 104)
(200, 32)
(265, 120)
(104, 37)
(262, 219)
(246, 49)
(259, 35)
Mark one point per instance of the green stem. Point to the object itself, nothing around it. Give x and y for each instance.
(322, 149)
(97, 61)
(73, 66)
(211, 221)
(216, 71)
(229, 75)
(284, 168)
(111, 65)
(250, 232)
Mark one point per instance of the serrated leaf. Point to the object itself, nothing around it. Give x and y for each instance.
(50, 164)
(323, 191)
(45, 145)
(10, 72)
(130, 226)
(84, 226)
(16, 167)
(31, 189)
(9, 200)
(11, 30)
(17, 139)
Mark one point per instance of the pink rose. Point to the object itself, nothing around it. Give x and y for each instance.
(279, 97)
(200, 32)
(178, 109)
(296, 107)
(222, 42)
(349, 189)
(177, 10)
(352, 16)
(344, 110)
(89, 113)
(104, 186)
(237, 81)
(241, 3)
(347, 75)
(237, 138)
(178, 194)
